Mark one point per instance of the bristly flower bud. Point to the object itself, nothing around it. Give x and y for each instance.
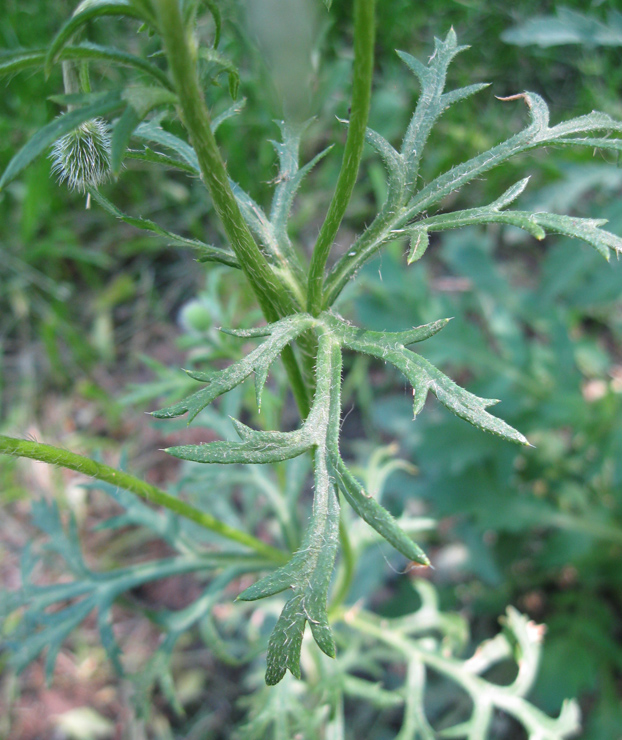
(82, 157)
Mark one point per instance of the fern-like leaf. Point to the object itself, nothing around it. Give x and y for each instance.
(39, 629)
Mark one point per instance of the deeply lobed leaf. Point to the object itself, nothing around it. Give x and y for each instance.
(424, 377)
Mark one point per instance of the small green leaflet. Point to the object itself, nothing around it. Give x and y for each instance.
(419, 242)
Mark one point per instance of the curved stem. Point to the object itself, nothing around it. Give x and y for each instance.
(57, 456)
(364, 35)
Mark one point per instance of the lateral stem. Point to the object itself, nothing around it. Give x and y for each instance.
(64, 458)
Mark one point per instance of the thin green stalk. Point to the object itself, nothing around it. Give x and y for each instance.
(57, 456)
(346, 574)
(275, 301)
(364, 37)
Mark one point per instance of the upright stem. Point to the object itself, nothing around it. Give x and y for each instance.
(364, 36)
(274, 299)
(57, 456)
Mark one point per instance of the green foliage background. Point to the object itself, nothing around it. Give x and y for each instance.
(538, 324)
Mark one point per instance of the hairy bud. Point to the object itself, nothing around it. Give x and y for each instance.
(82, 157)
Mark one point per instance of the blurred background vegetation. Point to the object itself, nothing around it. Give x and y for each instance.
(95, 319)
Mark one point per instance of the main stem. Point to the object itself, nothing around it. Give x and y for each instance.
(364, 37)
(274, 300)
(64, 458)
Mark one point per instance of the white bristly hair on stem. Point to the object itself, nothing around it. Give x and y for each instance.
(82, 157)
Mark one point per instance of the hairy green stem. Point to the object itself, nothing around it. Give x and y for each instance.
(364, 36)
(57, 456)
(196, 118)
(275, 301)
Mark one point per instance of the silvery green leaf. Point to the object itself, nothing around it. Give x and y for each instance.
(136, 513)
(531, 136)
(149, 155)
(432, 100)
(272, 231)
(229, 112)
(153, 132)
(90, 52)
(256, 331)
(190, 9)
(289, 178)
(141, 101)
(214, 57)
(309, 571)
(592, 142)
(285, 642)
(510, 195)
(40, 629)
(461, 93)
(256, 218)
(586, 229)
(424, 377)
(281, 334)
(256, 447)
(308, 574)
(537, 134)
(364, 505)
(594, 121)
(486, 215)
(374, 514)
(536, 224)
(348, 333)
(15, 61)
